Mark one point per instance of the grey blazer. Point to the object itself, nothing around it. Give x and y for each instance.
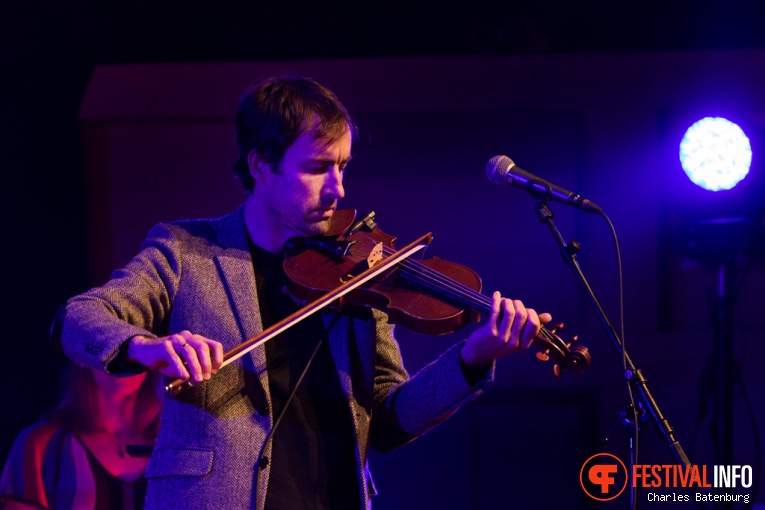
(198, 276)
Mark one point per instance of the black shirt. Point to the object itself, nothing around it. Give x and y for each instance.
(313, 461)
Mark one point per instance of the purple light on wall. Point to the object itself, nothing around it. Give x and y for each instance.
(715, 153)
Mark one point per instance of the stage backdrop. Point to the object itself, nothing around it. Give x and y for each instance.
(159, 145)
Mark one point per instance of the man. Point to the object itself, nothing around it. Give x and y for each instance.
(289, 425)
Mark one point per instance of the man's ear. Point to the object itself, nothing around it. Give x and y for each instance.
(256, 165)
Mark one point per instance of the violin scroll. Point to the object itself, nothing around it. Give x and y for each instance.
(573, 357)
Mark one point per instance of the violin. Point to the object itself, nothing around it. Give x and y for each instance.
(432, 296)
(356, 265)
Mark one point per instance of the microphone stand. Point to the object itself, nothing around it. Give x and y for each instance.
(632, 374)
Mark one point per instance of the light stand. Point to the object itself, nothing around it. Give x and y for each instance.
(728, 246)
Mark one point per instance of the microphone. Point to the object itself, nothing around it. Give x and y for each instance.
(503, 172)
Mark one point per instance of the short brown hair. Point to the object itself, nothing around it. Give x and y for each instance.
(274, 112)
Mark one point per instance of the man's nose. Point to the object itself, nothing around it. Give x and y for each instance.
(334, 183)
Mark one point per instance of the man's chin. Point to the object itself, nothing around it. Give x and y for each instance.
(317, 228)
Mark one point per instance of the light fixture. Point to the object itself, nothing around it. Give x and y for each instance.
(715, 153)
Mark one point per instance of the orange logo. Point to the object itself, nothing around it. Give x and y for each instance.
(603, 477)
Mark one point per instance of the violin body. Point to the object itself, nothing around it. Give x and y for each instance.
(317, 267)
(432, 297)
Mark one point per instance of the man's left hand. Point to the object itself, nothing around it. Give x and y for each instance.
(511, 328)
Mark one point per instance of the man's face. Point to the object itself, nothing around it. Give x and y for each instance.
(301, 197)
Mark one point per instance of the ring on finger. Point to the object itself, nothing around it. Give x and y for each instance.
(178, 350)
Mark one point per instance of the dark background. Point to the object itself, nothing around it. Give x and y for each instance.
(48, 51)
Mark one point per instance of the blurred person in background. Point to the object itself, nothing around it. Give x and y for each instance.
(91, 451)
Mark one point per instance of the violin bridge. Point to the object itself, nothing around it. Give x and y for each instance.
(375, 255)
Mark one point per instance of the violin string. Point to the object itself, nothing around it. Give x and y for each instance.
(420, 273)
(438, 281)
(457, 290)
(431, 278)
(454, 293)
(411, 271)
(442, 282)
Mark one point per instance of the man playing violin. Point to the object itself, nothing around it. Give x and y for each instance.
(288, 425)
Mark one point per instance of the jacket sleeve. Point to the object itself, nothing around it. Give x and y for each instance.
(136, 301)
(405, 408)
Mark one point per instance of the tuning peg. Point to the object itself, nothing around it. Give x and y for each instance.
(543, 356)
(556, 327)
(556, 370)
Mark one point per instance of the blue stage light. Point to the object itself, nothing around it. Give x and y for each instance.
(715, 153)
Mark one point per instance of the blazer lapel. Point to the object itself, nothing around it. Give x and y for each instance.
(235, 266)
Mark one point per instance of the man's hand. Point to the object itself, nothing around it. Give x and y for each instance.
(168, 354)
(511, 327)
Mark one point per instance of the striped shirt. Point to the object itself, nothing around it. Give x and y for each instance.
(50, 467)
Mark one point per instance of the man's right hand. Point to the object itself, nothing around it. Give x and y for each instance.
(167, 355)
